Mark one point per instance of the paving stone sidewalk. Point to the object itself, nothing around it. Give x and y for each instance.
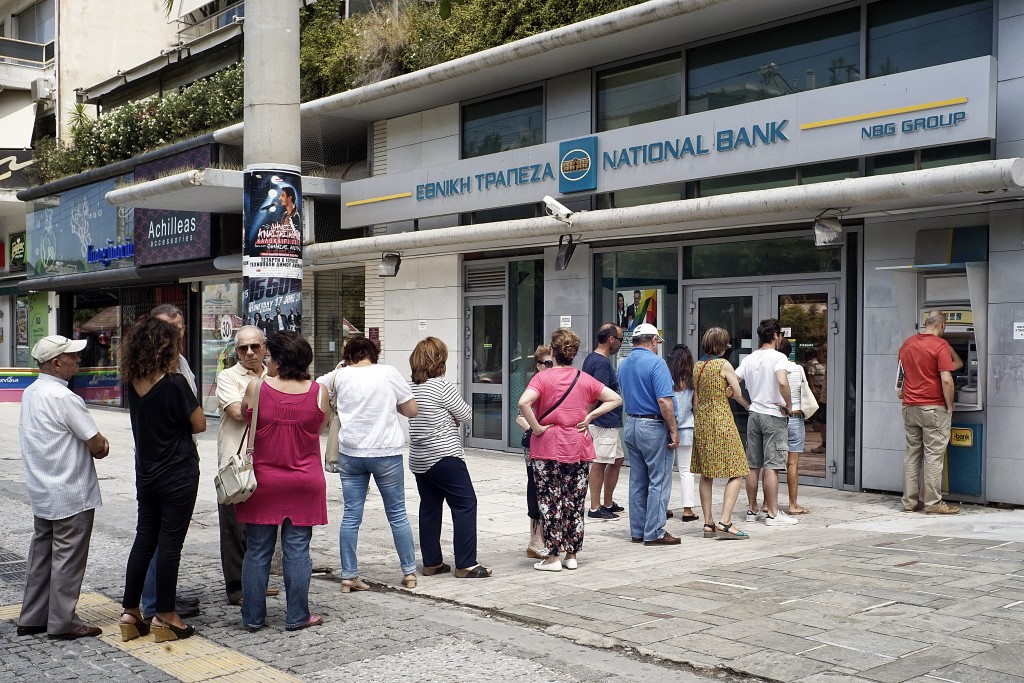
(858, 591)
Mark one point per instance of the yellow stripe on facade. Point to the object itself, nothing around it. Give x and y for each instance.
(884, 112)
(371, 200)
(192, 660)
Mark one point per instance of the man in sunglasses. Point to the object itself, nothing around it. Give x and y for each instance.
(231, 384)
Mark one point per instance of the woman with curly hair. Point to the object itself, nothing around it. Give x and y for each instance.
(556, 406)
(164, 415)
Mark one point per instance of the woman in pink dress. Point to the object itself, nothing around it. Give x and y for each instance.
(291, 492)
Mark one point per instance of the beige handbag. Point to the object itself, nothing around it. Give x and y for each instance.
(808, 404)
(334, 426)
(236, 479)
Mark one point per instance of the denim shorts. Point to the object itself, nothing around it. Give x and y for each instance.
(796, 435)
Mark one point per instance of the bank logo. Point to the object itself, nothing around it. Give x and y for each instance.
(577, 167)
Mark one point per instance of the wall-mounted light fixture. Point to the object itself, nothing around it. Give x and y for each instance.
(389, 264)
(565, 249)
(828, 230)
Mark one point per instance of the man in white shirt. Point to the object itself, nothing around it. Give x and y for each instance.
(764, 372)
(59, 441)
(250, 345)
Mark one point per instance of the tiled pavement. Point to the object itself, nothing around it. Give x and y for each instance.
(858, 591)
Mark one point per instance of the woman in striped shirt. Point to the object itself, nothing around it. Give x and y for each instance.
(437, 460)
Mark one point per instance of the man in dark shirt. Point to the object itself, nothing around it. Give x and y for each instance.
(607, 429)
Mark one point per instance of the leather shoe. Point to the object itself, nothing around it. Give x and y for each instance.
(184, 600)
(31, 630)
(667, 539)
(82, 631)
(636, 539)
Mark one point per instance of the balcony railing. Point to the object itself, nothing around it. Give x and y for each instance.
(24, 53)
(210, 23)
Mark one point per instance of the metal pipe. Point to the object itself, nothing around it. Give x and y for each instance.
(981, 176)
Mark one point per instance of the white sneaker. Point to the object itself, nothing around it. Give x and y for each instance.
(781, 519)
(751, 517)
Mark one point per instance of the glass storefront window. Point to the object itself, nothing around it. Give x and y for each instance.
(805, 55)
(753, 258)
(339, 304)
(221, 318)
(22, 348)
(526, 329)
(96, 316)
(638, 286)
(912, 35)
(640, 93)
(503, 123)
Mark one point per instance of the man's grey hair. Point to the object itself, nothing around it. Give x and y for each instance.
(644, 339)
(934, 318)
(250, 328)
(169, 310)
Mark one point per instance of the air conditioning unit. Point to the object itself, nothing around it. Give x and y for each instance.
(41, 89)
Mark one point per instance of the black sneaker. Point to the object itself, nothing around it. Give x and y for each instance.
(615, 507)
(610, 512)
(601, 513)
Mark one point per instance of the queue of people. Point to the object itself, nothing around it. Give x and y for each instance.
(580, 425)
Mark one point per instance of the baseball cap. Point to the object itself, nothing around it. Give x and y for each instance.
(50, 347)
(644, 329)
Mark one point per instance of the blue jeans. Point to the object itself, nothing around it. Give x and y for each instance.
(149, 588)
(296, 562)
(650, 477)
(389, 475)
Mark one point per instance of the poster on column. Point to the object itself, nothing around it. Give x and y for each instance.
(636, 306)
(272, 250)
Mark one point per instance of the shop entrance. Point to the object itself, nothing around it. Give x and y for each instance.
(809, 314)
(485, 367)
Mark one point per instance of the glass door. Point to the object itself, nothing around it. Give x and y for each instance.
(737, 311)
(486, 376)
(808, 314)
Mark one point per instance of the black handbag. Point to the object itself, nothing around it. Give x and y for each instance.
(525, 442)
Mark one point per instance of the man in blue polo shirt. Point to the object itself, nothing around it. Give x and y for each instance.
(651, 436)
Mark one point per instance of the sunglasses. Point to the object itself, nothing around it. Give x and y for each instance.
(245, 348)
(546, 363)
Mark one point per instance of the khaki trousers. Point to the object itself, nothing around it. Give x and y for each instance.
(927, 430)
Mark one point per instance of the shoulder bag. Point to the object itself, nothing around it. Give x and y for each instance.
(236, 480)
(529, 432)
(808, 404)
(333, 429)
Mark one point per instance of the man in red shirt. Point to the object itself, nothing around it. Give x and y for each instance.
(928, 362)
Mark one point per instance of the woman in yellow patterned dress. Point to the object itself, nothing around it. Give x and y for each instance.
(717, 450)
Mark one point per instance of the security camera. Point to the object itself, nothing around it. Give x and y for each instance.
(557, 210)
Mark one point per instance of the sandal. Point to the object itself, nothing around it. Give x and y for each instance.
(437, 569)
(730, 532)
(356, 584)
(409, 580)
(130, 630)
(314, 620)
(477, 572)
(709, 530)
(165, 631)
(798, 510)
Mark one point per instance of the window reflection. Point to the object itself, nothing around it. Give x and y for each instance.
(503, 123)
(806, 55)
(639, 93)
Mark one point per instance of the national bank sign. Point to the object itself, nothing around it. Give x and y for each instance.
(941, 105)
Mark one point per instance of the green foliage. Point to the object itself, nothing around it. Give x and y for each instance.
(137, 127)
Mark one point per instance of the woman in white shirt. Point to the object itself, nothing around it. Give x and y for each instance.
(680, 364)
(797, 378)
(370, 398)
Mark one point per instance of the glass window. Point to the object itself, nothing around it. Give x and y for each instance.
(746, 182)
(810, 54)
(752, 258)
(635, 286)
(640, 196)
(897, 162)
(340, 314)
(639, 93)
(504, 123)
(833, 170)
(526, 327)
(912, 35)
(956, 154)
(96, 316)
(222, 316)
(37, 24)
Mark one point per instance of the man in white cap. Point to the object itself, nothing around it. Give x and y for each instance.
(59, 441)
(651, 436)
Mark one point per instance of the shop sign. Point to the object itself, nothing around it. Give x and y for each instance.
(38, 317)
(939, 105)
(18, 252)
(163, 236)
(78, 232)
(13, 163)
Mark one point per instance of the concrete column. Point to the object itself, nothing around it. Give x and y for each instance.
(271, 97)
